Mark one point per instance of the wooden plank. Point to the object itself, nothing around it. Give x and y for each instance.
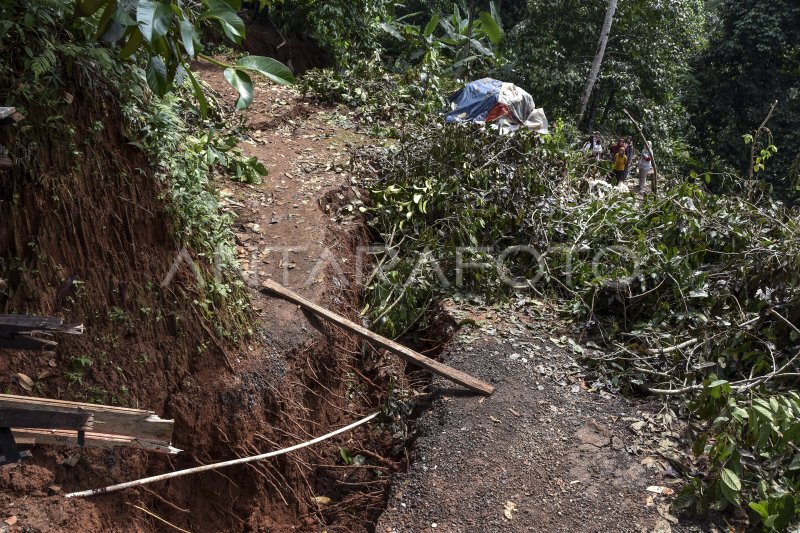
(22, 323)
(107, 419)
(30, 437)
(408, 354)
(45, 419)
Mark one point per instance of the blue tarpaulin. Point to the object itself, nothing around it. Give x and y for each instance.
(490, 100)
(475, 100)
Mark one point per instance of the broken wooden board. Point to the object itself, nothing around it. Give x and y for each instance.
(27, 323)
(16, 417)
(408, 354)
(16, 330)
(145, 428)
(30, 437)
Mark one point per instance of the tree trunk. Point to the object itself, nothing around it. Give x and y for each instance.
(598, 58)
(592, 111)
(607, 109)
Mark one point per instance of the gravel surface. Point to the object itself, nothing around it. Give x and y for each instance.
(544, 453)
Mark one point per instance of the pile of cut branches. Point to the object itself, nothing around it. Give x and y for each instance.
(694, 295)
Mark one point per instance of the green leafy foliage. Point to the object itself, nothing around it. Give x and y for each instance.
(454, 43)
(751, 443)
(166, 35)
(752, 59)
(445, 190)
(243, 85)
(646, 67)
(384, 101)
(683, 289)
(187, 164)
(350, 30)
(164, 129)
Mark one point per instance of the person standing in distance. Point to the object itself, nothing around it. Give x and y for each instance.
(645, 165)
(620, 164)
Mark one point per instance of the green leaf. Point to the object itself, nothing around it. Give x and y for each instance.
(495, 14)
(344, 453)
(154, 19)
(259, 167)
(685, 499)
(480, 47)
(231, 24)
(121, 15)
(243, 85)
(761, 509)
(113, 32)
(786, 513)
(269, 68)
(189, 37)
(764, 412)
(491, 27)
(157, 76)
(105, 19)
(699, 446)
(731, 486)
(132, 45)
(391, 30)
(431, 26)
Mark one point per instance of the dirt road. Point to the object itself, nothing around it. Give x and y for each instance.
(542, 454)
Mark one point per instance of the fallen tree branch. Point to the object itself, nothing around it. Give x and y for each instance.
(673, 348)
(755, 140)
(204, 468)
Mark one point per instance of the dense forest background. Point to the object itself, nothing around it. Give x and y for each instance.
(700, 75)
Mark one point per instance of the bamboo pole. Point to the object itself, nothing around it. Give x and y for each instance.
(205, 468)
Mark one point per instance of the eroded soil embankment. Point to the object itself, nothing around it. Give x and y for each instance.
(88, 240)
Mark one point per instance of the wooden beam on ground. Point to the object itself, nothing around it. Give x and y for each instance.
(408, 354)
(137, 424)
(26, 323)
(54, 437)
(20, 417)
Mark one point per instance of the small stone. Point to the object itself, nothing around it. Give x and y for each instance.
(72, 460)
